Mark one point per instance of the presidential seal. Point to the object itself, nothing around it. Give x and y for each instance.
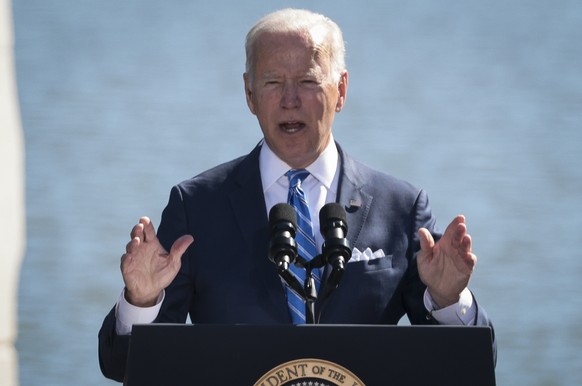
(309, 372)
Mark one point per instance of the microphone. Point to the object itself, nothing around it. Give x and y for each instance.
(282, 225)
(336, 249)
(282, 247)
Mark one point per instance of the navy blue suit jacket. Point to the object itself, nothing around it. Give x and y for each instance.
(226, 276)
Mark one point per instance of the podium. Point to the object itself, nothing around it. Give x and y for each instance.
(309, 355)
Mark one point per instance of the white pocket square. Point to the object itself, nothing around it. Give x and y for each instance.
(367, 255)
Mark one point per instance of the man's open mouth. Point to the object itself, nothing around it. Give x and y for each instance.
(291, 126)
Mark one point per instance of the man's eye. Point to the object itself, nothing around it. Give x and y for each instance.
(309, 83)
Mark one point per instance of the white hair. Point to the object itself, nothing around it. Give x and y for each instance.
(323, 31)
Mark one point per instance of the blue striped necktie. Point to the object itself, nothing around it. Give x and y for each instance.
(304, 238)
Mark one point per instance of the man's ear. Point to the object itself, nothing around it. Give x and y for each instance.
(342, 88)
(248, 92)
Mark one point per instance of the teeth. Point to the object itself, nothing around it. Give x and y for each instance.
(291, 126)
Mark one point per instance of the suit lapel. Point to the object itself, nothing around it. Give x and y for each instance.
(353, 198)
(248, 204)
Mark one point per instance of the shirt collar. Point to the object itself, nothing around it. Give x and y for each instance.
(323, 168)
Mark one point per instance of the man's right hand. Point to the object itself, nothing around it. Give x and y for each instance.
(147, 268)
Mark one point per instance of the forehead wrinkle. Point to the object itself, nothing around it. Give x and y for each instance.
(314, 69)
(314, 40)
(314, 72)
(269, 75)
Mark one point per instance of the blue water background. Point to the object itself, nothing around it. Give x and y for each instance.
(478, 102)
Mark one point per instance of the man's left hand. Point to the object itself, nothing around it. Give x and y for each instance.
(446, 267)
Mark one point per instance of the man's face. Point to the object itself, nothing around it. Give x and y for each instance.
(293, 96)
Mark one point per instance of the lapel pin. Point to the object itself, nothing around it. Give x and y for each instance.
(354, 205)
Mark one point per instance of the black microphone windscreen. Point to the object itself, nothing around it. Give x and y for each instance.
(282, 212)
(330, 212)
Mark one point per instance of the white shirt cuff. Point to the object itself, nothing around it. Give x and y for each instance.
(127, 314)
(461, 313)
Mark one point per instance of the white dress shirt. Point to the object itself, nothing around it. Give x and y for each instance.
(320, 188)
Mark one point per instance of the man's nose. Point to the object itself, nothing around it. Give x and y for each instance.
(290, 98)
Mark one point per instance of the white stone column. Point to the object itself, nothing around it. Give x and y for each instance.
(12, 213)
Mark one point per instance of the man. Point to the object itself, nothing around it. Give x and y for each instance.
(209, 256)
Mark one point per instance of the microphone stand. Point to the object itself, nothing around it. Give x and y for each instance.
(310, 296)
(308, 292)
(292, 282)
(310, 289)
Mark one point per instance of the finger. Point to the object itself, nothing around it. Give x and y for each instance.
(129, 246)
(426, 239)
(180, 246)
(136, 231)
(149, 232)
(133, 245)
(454, 224)
(467, 243)
(470, 257)
(460, 234)
(473, 260)
(124, 261)
(138, 228)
